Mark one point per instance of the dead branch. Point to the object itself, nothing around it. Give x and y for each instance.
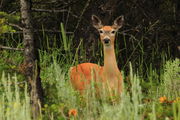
(11, 48)
(80, 18)
(39, 30)
(54, 11)
(15, 25)
(48, 10)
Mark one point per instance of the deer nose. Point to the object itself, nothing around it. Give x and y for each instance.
(106, 40)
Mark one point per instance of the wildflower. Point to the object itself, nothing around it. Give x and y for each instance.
(72, 112)
(163, 99)
(177, 100)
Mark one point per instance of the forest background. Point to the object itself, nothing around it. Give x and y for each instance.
(64, 36)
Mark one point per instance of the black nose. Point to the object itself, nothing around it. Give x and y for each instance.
(106, 40)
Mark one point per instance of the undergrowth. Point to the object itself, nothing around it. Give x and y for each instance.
(149, 93)
(60, 97)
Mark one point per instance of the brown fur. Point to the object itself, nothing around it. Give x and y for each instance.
(108, 75)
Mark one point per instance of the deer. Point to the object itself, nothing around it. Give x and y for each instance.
(109, 75)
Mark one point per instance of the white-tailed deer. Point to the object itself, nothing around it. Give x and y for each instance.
(108, 75)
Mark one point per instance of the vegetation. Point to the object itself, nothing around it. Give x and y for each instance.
(150, 95)
(146, 49)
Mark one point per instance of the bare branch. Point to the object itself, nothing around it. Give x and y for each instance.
(11, 48)
(83, 11)
(39, 2)
(54, 11)
(62, 2)
(48, 10)
(15, 25)
(39, 30)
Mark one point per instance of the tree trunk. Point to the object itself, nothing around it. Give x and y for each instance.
(32, 69)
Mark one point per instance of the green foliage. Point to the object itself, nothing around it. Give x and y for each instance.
(176, 111)
(7, 18)
(60, 98)
(4, 27)
(14, 103)
(64, 38)
(10, 61)
(171, 78)
(142, 41)
(139, 100)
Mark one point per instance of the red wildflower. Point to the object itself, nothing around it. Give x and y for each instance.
(72, 112)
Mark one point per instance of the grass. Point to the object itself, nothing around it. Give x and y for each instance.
(14, 99)
(144, 87)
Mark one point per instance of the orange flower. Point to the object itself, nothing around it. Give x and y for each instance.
(163, 99)
(72, 112)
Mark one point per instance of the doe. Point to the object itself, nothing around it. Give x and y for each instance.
(109, 75)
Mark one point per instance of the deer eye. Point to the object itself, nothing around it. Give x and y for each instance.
(100, 31)
(113, 32)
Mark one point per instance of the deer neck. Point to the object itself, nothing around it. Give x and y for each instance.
(110, 64)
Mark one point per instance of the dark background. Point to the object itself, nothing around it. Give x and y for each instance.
(151, 27)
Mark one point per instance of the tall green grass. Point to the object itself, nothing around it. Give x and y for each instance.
(61, 97)
(171, 79)
(139, 100)
(130, 105)
(14, 103)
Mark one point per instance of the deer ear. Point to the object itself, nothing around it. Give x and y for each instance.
(118, 22)
(96, 22)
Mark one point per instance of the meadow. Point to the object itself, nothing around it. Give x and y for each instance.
(149, 93)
